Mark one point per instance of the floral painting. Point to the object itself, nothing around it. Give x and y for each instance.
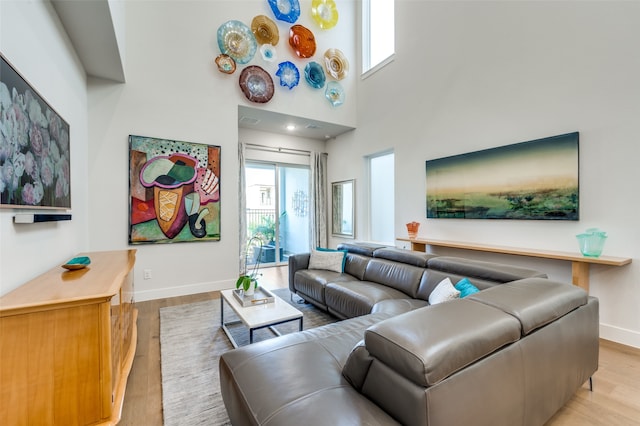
(174, 190)
(34, 147)
(535, 180)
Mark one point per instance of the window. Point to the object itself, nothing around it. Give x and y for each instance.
(378, 34)
(381, 198)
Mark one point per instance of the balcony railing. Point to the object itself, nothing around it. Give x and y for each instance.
(261, 221)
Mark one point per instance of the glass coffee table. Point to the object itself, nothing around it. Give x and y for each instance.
(257, 317)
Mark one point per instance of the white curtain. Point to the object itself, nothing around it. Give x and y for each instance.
(318, 219)
(242, 211)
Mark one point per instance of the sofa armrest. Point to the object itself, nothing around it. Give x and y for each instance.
(297, 262)
(357, 366)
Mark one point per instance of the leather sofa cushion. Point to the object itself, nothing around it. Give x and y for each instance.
(356, 264)
(347, 299)
(298, 376)
(535, 302)
(404, 256)
(429, 344)
(483, 270)
(399, 276)
(335, 406)
(312, 282)
(398, 306)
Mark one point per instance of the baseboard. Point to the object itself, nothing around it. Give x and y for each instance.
(183, 290)
(620, 335)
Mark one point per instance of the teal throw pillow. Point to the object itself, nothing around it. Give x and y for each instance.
(465, 287)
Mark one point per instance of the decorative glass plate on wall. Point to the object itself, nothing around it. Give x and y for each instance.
(268, 52)
(265, 30)
(236, 40)
(314, 75)
(336, 63)
(289, 74)
(302, 41)
(225, 63)
(256, 84)
(334, 93)
(285, 10)
(325, 13)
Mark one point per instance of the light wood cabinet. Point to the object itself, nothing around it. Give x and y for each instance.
(67, 343)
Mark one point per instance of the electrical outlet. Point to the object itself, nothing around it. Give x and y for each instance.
(147, 274)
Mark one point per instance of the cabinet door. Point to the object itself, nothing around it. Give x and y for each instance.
(51, 367)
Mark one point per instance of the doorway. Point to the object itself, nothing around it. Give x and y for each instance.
(277, 210)
(381, 190)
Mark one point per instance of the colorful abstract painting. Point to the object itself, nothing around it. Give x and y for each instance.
(529, 180)
(174, 190)
(35, 169)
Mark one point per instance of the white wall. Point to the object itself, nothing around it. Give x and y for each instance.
(467, 76)
(175, 91)
(475, 75)
(34, 42)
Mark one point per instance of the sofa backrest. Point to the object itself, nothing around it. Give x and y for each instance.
(400, 268)
(399, 276)
(486, 271)
(395, 268)
(414, 258)
(481, 274)
(365, 249)
(534, 302)
(356, 264)
(431, 278)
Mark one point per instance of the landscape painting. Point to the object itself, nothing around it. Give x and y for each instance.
(535, 180)
(174, 191)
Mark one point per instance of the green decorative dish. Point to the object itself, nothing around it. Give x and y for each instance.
(77, 263)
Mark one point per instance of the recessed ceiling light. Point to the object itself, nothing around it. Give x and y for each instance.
(291, 127)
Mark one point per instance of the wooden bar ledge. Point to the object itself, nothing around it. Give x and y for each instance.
(579, 263)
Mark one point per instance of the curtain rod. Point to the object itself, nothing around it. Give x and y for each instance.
(291, 151)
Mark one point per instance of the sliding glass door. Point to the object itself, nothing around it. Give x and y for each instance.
(277, 202)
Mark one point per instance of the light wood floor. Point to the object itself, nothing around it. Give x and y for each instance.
(615, 400)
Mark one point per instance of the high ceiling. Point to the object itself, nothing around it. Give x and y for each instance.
(90, 27)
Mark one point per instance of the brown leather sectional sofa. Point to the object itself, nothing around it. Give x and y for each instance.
(511, 354)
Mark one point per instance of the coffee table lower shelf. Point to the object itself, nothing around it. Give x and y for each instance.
(266, 315)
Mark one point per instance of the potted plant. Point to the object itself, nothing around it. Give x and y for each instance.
(248, 282)
(267, 230)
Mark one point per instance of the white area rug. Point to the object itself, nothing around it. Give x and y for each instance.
(191, 342)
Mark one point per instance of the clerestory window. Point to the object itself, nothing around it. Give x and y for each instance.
(378, 34)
